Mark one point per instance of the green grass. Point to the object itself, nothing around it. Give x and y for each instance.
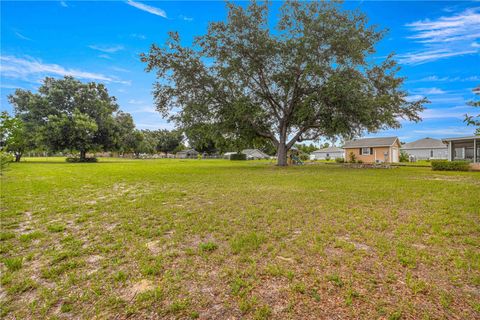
(237, 239)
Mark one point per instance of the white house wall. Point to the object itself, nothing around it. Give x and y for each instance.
(332, 155)
(425, 154)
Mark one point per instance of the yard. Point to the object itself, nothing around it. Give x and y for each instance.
(217, 239)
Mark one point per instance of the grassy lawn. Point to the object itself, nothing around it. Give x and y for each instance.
(220, 239)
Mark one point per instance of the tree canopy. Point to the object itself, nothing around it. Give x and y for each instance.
(310, 75)
(13, 136)
(67, 114)
(474, 120)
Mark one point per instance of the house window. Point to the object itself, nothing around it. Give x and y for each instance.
(431, 153)
(328, 155)
(366, 151)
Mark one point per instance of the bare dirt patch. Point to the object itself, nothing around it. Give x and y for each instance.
(24, 226)
(94, 263)
(154, 247)
(137, 288)
(357, 245)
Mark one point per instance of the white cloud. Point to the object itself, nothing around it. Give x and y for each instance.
(457, 112)
(475, 44)
(138, 36)
(444, 37)
(435, 78)
(151, 126)
(105, 56)
(30, 69)
(106, 49)
(465, 25)
(134, 101)
(185, 18)
(427, 91)
(431, 55)
(63, 3)
(147, 8)
(448, 79)
(21, 36)
(120, 69)
(414, 97)
(9, 86)
(447, 132)
(146, 110)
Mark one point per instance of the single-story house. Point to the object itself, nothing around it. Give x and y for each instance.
(187, 154)
(463, 148)
(327, 153)
(228, 154)
(255, 154)
(426, 149)
(373, 150)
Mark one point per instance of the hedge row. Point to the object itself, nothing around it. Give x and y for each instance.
(444, 165)
(75, 159)
(238, 156)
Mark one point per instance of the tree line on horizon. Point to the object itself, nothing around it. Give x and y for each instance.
(68, 116)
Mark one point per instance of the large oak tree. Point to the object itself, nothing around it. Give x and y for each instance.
(66, 114)
(310, 74)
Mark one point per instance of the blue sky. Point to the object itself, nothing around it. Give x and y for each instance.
(437, 44)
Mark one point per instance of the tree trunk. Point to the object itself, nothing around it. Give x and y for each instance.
(282, 155)
(18, 156)
(83, 154)
(282, 146)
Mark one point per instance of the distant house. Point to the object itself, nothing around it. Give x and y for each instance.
(463, 148)
(372, 150)
(426, 149)
(187, 154)
(327, 153)
(255, 154)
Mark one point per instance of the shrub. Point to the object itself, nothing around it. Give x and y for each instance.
(403, 156)
(339, 160)
(352, 158)
(76, 160)
(304, 157)
(444, 165)
(327, 158)
(359, 161)
(238, 156)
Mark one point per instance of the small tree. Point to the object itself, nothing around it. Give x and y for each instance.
(474, 120)
(13, 136)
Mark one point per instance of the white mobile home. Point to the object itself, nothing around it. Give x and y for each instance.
(327, 153)
(255, 154)
(426, 149)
